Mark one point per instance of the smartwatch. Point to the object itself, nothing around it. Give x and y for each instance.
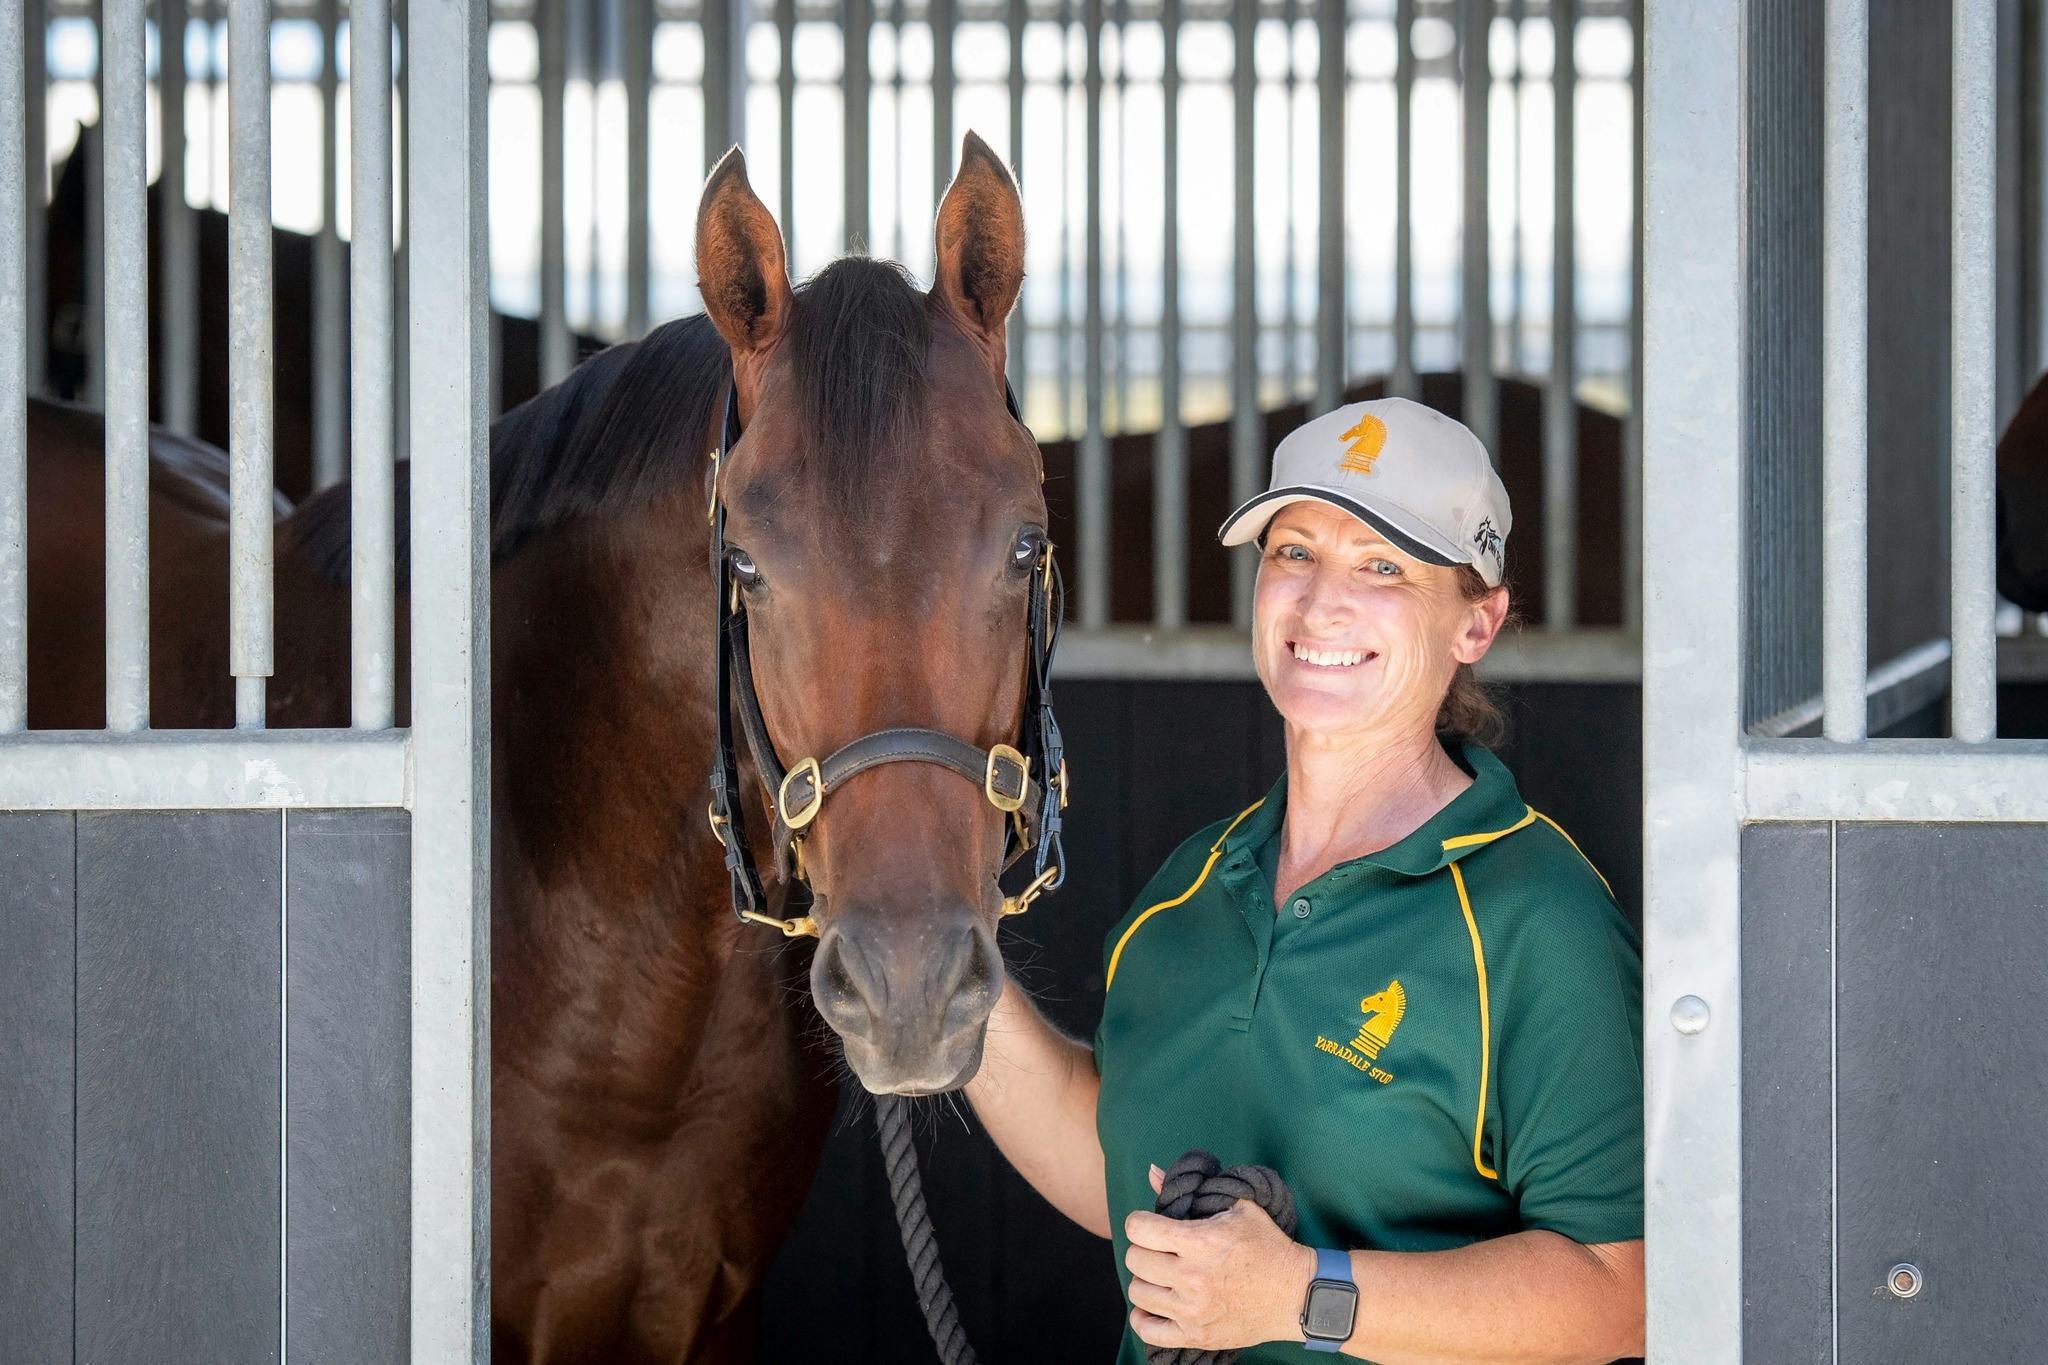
(1331, 1309)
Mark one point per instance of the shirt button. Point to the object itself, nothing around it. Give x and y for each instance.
(1301, 907)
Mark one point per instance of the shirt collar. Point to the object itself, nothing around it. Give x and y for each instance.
(1487, 810)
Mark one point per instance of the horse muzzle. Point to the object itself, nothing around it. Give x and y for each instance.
(910, 1002)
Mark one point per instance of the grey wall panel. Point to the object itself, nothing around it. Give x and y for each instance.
(1787, 1282)
(1942, 1080)
(347, 1105)
(37, 859)
(179, 1042)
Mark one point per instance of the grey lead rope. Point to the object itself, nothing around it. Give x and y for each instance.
(920, 1246)
(1197, 1186)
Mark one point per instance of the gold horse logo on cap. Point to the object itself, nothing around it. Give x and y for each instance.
(1366, 440)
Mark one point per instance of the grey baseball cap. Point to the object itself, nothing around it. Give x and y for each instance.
(1419, 478)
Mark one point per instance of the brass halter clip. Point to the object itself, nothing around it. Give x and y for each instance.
(797, 819)
(801, 927)
(1019, 903)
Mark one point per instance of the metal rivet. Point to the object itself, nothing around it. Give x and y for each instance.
(1689, 1015)
(1301, 907)
(1903, 1280)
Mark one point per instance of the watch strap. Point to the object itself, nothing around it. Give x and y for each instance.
(1335, 1266)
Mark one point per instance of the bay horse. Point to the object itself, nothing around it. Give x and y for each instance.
(660, 1088)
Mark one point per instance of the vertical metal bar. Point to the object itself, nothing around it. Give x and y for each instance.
(35, 142)
(1289, 93)
(1092, 460)
(1972, 359)
(1170, 451)
(372, 615)
(1517, 14)
(1064, 329)
(249, 345)
(943, 19)
(95, 234)
(1018, 361)
(1403, 382)
(638, 40)
(1560, 405)
(1632, 427)
(401, 288)
(330, 335)
(1845, 337)
(1333, 328)
(451, 653)
(1692, 692)
(715, 25)
(178, 251)
(1475, 26)
(1122, 347)
(857, 17)
(557, 350)
(15, 208)
(125, 289)
(785, 89)
(898, 199)
(1247, 429)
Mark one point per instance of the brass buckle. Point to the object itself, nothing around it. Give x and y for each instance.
(711, 512)
(711, 809)
(988, 778)
(798, 819)
(1063, 784)
(801, 927)
(1019, 903)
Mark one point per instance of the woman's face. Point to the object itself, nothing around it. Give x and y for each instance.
(1350, 635)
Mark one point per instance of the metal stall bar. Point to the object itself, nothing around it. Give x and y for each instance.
(1845, 370)
(1247, 430)
(1017, 359)
(178, 321)
(638, 69)
(1092, 458)
(125, 291)
(1475, 25)
(451, 656)
(15, 209)
(557, 350)
(1170, 448)
(856, 17)
(95, 337)
(330, 336)
(1333, 327)
(724, 27)
(785, 91)
(250, 482)
(35, 321)
(1692, 702)
(1403, 382)
(1973, 348)
(942, 19)
(1560, 405)
(1632, 426)
(372, 620)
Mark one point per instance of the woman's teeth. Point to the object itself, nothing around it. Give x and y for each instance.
(1331, 658)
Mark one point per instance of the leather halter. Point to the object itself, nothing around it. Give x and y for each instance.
(1028, 782)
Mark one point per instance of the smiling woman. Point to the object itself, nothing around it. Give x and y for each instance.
(1391, 980)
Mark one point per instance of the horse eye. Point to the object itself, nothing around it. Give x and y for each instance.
(744, 569)
(1024, 554)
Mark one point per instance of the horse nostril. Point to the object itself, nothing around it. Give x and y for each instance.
(845, 988)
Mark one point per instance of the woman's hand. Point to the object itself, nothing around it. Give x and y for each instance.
(1215, 1283)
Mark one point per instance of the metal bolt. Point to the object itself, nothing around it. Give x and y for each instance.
(1689, 1015)
(1301, 907)
(1903, 1280)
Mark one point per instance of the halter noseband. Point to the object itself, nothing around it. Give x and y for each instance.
(1027, 782)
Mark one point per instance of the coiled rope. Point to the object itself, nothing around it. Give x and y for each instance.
(1197, 1186)
(913, 1220)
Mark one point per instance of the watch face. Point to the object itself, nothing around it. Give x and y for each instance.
(1331, 1309)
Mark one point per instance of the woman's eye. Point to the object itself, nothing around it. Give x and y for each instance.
(1296, 553)
(1385, 568)
(744, 569)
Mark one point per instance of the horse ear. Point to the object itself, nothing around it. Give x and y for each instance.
(980, 243)
(740, 268)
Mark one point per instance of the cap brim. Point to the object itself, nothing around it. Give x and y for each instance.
(1248, 521)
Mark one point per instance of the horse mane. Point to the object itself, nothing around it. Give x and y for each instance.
(624, 426)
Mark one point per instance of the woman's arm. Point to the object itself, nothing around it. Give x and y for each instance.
(1035, 1093)
(1531, 1298)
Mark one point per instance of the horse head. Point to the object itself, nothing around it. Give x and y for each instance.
(884, 534)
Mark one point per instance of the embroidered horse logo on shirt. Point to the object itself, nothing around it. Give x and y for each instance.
(1383, 1013)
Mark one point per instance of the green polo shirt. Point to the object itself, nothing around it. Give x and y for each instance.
(1433, 1044)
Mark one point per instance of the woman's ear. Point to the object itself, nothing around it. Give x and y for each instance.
(1481, 624)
